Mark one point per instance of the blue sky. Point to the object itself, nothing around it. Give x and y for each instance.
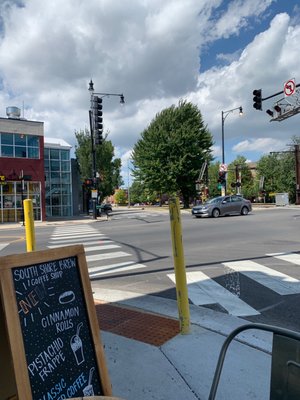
(211, 52)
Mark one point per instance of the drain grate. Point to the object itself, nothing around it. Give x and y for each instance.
(137, 325)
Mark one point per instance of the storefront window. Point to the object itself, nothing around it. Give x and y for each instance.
(12, 195)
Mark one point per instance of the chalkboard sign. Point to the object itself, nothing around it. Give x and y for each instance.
(52, 325)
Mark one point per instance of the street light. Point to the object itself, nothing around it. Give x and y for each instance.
(93, 118)
(224, 116)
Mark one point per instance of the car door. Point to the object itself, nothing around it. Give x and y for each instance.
(237, 203)
(226, 205)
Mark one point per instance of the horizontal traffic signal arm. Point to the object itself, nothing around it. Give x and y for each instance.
(258, 99)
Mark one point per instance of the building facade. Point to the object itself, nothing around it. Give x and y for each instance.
(58, 178)
(34, 167)
(21, 166)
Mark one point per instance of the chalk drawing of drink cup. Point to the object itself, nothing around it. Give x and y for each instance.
(76, 346)
(89, 390)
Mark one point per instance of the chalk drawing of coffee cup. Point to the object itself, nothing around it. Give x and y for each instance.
(89, 390)
(76, 346)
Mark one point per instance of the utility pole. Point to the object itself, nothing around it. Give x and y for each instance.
(297, 159)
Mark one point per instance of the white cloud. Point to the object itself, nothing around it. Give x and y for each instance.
(151, 51)
(262, 145)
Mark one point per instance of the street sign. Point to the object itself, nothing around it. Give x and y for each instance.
(223, 168)
(289, 87)
(94, 193)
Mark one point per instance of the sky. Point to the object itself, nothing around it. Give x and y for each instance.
(213, 53)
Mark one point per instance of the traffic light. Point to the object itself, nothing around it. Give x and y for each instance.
(222, 177)
(98, 120)
(257, 99)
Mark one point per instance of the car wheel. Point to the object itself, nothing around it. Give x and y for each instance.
(244, 211)
(216, 213)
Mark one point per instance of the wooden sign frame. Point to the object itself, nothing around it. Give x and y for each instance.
(12, 319)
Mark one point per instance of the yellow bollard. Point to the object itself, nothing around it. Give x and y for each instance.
(29, 225)
(179, 266)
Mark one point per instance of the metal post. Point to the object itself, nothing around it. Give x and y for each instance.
(29, 225)
(223, 150)
(93, 163)
(179, 266)
(297, 161)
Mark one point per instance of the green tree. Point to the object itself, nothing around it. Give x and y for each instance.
(278, 170)
(239, 167)
(121, 196)
(169, 155)
(138, 193)
(107, 167)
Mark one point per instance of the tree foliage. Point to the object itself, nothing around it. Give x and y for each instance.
(107, 167)
(171, 151)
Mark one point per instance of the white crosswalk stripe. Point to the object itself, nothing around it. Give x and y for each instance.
(203, 290)
(289, 257)
(3, 245)
(96, 242)
(278, 282)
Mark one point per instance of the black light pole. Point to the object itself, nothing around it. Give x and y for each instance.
(224, 116)
(93, 116)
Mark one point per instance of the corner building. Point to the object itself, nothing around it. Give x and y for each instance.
(21, 166)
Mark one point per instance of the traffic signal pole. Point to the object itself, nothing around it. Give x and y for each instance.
(93, 164)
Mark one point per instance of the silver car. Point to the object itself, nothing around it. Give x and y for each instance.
(223, 205)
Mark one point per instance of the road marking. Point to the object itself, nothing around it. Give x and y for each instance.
(100, 235)
(3, 245)
(80, 240)
(289, 257)
(112, 268)
(75, 234)
(106, 256)
(204, 290)
(278, 282)
(86, 244)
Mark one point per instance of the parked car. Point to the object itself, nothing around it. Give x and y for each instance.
(106, 208)
(101, 208)
(223, 205)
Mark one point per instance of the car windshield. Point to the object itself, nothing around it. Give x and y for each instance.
(214, 200)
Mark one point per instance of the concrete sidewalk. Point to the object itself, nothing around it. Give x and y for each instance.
(182, 367)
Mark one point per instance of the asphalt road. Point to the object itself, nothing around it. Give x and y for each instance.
(246, 266)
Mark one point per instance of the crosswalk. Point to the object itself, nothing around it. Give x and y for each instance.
(100, 250)
(203, 290)
(105, 257)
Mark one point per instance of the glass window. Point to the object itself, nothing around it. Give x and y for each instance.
(46, 154)
(54, 166)
(54, 154)
(7, 151)
(65, 155)
(55, 177)
(65, 177)
(20, 140)
(33, 141)
(7, 138)
(20, 151)
(33, 152)
(65, 166)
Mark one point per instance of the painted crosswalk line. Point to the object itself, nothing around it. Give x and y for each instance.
(203, 290)
(91, 248)
(106, 256)
(99, 237)
(288, 257)
(277, 281)
(3, 245)
(112, 268)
